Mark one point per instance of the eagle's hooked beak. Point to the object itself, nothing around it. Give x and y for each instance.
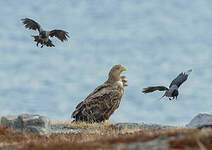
(123, 68)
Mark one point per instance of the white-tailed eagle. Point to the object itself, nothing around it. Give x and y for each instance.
(104, 100)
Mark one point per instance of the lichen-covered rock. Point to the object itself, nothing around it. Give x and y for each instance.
(200, 121)
(121, 126)
(65, 129)
(27, 122)
(37, 130)
(34, 120)
(11, 121)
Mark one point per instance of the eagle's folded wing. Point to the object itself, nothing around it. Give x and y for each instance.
(78, 108)
(99, 105)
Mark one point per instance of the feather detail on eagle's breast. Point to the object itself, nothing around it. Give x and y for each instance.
(103, 101)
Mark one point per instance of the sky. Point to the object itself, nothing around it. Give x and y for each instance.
(155, 40)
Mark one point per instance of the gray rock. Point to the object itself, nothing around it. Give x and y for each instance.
(37, 130)
(121, 126)
(34, 120)
(157, 144)
(11, 122)
(27, 122)
(200, 121)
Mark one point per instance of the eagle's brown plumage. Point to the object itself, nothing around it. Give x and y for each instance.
(104, 100)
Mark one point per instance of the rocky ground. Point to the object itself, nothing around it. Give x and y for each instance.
(34, 132)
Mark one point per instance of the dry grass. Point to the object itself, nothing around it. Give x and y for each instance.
(101, 136)
(88, 126)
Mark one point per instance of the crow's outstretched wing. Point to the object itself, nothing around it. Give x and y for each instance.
(154, 88)
(31, 24)
(182, 77)
(60, 34)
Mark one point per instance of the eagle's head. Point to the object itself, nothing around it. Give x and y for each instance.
(115, 72)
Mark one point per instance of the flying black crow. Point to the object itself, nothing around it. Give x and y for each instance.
(172, 91)
(43, 37)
